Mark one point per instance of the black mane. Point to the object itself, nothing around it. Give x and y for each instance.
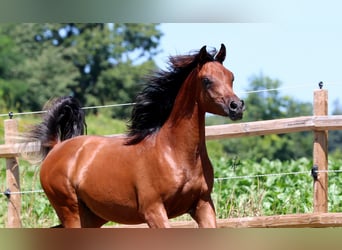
(154, 104)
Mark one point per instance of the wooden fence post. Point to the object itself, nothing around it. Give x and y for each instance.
(320, 154)
(12, 178)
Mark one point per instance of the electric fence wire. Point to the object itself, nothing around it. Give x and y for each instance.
(276, 174)
(85, 108)
(8, 192)
(132, 103)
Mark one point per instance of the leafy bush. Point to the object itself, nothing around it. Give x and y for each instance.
(277, 193)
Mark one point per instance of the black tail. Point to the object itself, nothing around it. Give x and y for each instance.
(63, 119)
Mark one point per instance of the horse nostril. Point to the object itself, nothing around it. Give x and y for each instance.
(233, 105)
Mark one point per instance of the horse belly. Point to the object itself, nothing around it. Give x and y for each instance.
(107, 188)
(116, 203)
(114, 211)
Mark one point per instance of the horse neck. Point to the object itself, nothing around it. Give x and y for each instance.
(185, 125)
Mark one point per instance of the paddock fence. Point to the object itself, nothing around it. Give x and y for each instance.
(319, 123)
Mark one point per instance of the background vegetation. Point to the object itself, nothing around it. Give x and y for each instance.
(106, 64)
(233, 197)
(97, 63)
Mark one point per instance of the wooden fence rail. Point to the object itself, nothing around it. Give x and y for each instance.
(278, 126)
(234, 130)
(319, 123)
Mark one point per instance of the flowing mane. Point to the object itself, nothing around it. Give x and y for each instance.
(154, 104)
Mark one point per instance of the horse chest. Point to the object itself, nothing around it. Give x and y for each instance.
(181, 192)
(182, 200)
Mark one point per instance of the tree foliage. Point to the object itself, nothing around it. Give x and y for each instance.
(97, 63)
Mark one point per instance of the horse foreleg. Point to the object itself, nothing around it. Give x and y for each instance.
(204, 214)
(156, 216)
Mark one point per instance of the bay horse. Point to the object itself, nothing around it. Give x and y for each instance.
(159, 170)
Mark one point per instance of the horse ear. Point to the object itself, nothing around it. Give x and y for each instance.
(203, 56)
(221, 55)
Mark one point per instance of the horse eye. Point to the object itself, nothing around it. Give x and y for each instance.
(206, 82)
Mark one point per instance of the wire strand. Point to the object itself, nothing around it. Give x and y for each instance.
(23, 192)
(276, 174)
(273, 89)
(84, 108)
(330, 171)
(215, 179)
(260, 175)
(132, 103)
(110, 105)
(284, 88)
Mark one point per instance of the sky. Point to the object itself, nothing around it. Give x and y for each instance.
(299, 55)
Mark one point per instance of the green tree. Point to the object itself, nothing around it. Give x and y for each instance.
(90, 61)
(47, 76)
(11, 88)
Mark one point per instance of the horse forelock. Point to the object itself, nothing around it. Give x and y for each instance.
(154, 103)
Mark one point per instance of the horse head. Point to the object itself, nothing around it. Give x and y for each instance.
(217, 95)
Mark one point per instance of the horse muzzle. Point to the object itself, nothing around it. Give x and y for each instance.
(235, 109)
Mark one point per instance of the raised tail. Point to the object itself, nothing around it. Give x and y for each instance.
(64, 119)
